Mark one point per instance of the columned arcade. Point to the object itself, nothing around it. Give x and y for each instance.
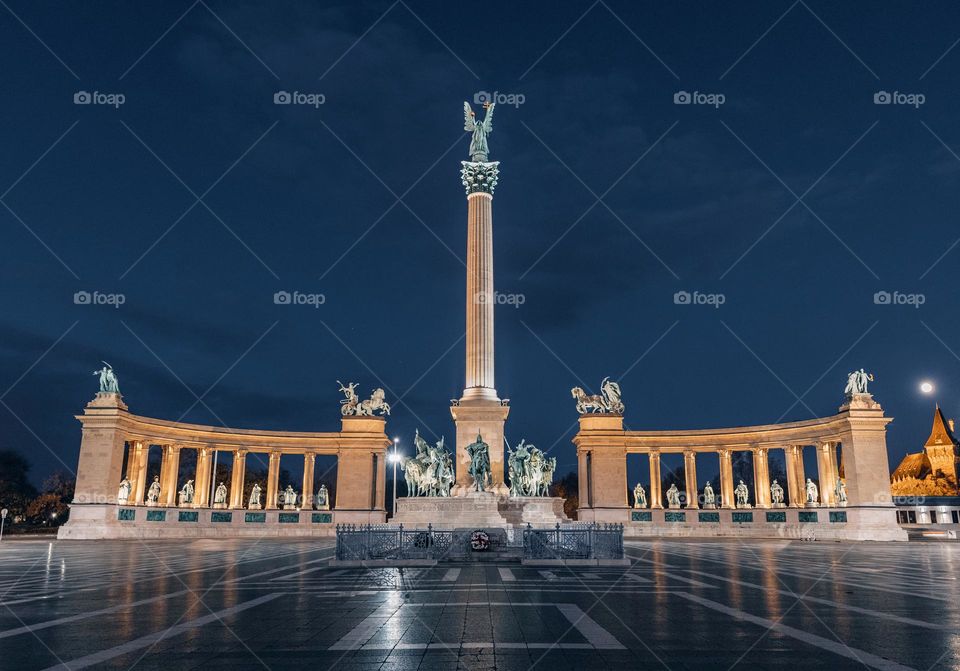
(112, 436)
(857, 433)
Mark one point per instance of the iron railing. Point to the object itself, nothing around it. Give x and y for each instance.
(365, 542)
(574, 541)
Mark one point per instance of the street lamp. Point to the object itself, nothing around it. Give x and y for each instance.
(3, 518)
(926, 387)
(395, 458)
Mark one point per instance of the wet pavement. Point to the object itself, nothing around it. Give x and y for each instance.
(269, 604)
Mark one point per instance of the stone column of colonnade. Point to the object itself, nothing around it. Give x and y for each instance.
(138, 458)
(201, 483)
(169, 474)
(827, 470)
(273, 480)
(726, 478)
(656, 497)
(796, 476)
(690, 475)
(761, 477)
(309, 461)
(237, 476)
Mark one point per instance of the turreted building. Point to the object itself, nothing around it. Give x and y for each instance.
(932, 472)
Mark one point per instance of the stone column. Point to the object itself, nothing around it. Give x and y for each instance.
(273, 480)
(169, 475)
(690, 473)
(139, 479)
(761, 477)
(790, 485)
(201, 494)
(361, 471)
(237, 477)
(826, 473)
(798, 487)
(583, 485)
(656, 496)
(309, 460)
(726, 478)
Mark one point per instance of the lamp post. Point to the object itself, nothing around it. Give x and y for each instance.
(395, 458)
(3, 518)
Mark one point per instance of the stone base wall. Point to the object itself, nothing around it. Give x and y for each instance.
(101, 521)
(838, 524)
(478, 510)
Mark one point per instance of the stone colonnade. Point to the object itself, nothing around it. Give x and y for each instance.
(109, 429)
(858, 430)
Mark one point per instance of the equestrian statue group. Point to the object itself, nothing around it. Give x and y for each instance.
(531, 471)
(607, 401)
(430, 473)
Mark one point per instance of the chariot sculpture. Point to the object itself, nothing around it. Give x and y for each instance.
(607, 401)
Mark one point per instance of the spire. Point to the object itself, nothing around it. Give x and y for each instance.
(940, 433)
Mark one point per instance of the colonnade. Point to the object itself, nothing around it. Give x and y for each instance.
(795, 485)
(138, 455)
(110, 433)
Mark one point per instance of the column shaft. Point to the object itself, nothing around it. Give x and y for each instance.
(726, 479)
(790, 484)
(139, 481)
(690, 473)
(237, 477)
(825, 474)
(273, 480)
(169, 475)
(480, 298)
(309, 460)
(761, 477)
(201, 493)
(656, 498)
(798, 492)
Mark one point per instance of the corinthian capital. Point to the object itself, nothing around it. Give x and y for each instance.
(479, 177)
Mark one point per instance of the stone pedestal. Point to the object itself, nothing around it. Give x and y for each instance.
(486, 418)
(479, 510)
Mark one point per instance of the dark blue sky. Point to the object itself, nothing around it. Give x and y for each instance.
(297, 198)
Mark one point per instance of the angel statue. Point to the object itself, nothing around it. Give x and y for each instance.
(611, 396)
(108, 379)
(478, 144)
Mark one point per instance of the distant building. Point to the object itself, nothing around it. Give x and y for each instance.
(932, 472)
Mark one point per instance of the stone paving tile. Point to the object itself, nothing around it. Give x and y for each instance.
(703, 604)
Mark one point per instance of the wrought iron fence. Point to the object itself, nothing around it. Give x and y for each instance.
(381, 541)
(574, 541)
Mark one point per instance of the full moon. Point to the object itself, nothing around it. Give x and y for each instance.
(926, 387)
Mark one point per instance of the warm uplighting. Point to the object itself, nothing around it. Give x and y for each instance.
(926, 387)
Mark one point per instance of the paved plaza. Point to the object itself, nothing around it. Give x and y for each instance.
(276, 604)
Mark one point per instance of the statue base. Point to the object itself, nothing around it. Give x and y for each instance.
(325, 506)
(674, 506)
(744, 505)
(811, 504)
(778, 505)
(709, 506)
(219, 506)
(480, 510)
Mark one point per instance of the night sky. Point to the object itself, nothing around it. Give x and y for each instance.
(797, 199)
